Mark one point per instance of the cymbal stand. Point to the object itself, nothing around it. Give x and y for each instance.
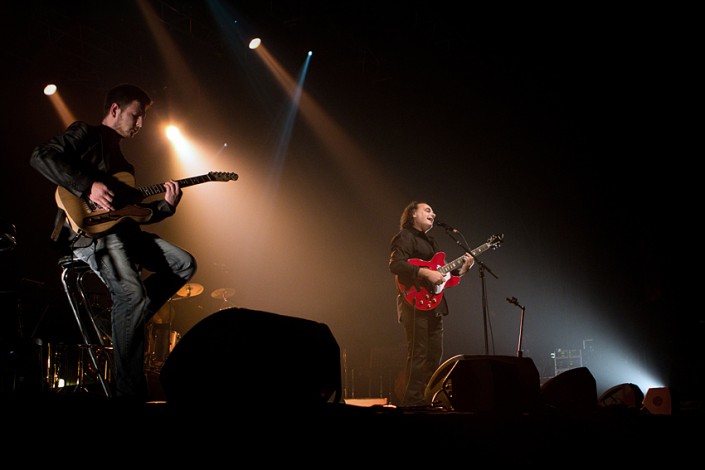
(224, 293)
(225, 305)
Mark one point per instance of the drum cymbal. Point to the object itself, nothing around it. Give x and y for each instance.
(190, 290)
(223, 293)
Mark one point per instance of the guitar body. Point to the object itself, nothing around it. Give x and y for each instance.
(428, 298)
(90, 221)
(95, 222)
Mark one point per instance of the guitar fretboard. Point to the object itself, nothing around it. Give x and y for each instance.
(493, 242)
(159, 188)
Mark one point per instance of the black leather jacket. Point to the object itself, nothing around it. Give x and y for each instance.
(79, 156)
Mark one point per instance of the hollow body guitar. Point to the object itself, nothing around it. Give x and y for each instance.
(428, 297)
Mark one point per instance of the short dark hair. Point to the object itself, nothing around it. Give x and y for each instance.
(125, 94)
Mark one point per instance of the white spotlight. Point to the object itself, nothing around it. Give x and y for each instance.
(50, 89)
(254, 44)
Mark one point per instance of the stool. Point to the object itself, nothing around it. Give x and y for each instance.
(95, 344)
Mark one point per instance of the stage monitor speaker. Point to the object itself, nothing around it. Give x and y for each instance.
(248, 359)
(485, 384)
(658, 401)
(626, 395)
(571, 392)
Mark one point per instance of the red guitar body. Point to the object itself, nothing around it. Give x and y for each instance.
(421, 297)
(424, 298)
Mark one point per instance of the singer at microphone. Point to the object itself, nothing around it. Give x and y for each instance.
(420, 297)
(446, 226)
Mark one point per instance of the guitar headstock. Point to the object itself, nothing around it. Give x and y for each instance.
(222, 176)
(495, 240)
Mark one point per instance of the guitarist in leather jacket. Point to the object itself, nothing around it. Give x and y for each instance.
(423, 327)
(83, 160)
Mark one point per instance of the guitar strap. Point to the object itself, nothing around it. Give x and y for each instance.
(59, 223)
(63, 235)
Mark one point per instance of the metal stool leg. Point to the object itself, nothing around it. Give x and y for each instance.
(72, 278)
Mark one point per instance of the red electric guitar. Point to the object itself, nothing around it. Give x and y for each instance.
(428, 299)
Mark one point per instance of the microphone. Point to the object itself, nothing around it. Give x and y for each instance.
(513, 300)
(446, 226)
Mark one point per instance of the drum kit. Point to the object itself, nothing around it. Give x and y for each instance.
(67, 364)
(161, 336)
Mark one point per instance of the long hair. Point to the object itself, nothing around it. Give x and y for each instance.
(406, 220)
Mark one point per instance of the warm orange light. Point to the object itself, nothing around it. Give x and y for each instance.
(62, 110)
(174, 134)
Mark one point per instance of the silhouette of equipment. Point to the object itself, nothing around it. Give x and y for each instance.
(237, 356)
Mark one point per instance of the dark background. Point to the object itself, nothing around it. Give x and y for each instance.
(567, 130)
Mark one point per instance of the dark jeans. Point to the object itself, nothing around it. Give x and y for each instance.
(119, 259)
(424, 340)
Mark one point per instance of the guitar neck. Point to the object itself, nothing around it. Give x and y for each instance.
(458, 262)
(455, 264)
(159, 188)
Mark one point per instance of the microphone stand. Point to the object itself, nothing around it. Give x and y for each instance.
(483, 268)
(514, 301)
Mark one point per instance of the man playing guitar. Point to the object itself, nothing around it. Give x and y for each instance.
(422, 322)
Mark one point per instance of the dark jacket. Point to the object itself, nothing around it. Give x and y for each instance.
(410, 243)
(81, 155)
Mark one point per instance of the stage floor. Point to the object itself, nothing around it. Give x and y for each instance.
(85, 428)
